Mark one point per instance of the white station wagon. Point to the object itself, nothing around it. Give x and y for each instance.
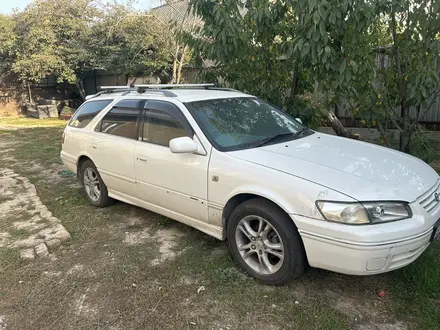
(237, 168)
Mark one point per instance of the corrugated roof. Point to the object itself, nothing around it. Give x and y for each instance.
(173, 11)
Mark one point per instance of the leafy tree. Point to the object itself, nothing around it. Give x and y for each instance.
(47, 34)
(244, 40)
(68, 37)
(331, 48)
(251, 44)
(379, 56)
(7, 41)
(127, 41)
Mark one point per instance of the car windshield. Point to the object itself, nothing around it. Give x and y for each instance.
(244, 122)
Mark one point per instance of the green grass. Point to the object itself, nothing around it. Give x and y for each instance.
(18, 233)
(22, 121)
(41, 145)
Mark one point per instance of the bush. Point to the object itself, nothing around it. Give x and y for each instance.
(311, 113)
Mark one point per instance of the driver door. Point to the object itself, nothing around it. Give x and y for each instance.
(175, 182)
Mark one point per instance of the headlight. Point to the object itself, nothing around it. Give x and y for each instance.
(363, 213)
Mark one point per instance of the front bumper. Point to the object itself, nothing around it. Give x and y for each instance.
(367, 250)
(354, 259)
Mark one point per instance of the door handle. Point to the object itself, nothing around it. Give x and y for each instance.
(141, 160)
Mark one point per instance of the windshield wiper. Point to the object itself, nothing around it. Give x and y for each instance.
(300, 132)
(273, 138)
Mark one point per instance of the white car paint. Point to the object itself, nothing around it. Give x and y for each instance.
(195, 188)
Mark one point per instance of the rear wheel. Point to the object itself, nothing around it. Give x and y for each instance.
(265, 242)
(95, 189)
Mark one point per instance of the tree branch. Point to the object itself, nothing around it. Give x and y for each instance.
(182, 59)
(382, 132)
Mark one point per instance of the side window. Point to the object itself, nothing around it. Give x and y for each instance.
(85, 114)
(160, 127)
(164, 122)
(121, 122)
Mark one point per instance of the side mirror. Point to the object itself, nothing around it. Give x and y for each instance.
(183, 145)
(299, 120)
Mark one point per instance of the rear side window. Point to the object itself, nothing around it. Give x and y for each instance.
(121, 122)
(85, 114)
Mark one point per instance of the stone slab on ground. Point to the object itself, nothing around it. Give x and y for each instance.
(53, 243)
(42, 111)
(41, 250)
(27, 254)
(22, 210)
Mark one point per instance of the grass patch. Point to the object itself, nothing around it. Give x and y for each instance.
(18, 233)
(416, 289)
(41, 145)
(22, 121)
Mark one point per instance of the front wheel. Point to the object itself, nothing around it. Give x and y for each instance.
(265, 242)
(94, 187)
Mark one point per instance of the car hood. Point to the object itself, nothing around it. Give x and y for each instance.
(357, 169)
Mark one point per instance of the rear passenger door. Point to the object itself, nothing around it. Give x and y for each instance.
(112, 146)
(175, 182)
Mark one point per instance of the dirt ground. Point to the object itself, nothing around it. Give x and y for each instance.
(123, 267)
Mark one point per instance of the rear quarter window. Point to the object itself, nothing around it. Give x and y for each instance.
(85, 114)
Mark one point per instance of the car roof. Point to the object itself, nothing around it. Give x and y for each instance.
(181, 94)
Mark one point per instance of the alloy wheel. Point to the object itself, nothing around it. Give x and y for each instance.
(92, 184)
(259, 244)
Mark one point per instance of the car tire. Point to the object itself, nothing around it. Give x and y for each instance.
(277, 254)
(95, 189)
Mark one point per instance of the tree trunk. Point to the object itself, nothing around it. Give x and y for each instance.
(294, 85)
(405, 135)
(182, 59)
(337, 126)
(176, 55)
(30, 93)
(383, 133)
(80, 88)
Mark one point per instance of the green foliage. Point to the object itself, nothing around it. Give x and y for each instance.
(245, 42)
(128, 42)
(67, 37)
(7, 41)
(47, 38)
(422, 147)
(311, 113)
(334, 40)
(379, 57)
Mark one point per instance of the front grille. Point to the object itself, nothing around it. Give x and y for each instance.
(427, 200)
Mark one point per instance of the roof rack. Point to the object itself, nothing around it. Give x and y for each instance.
(160, 88)
(127, 89)
(104, 88)
(174, 86)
